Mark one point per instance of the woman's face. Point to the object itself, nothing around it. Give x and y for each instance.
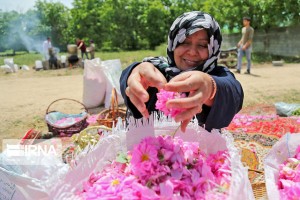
(193, 51)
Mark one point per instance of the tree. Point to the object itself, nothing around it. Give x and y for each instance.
(132, 24)
(265, 14)
(14, 32)
(54, 21)
(122, 24)
(155, 23)
(86, 20)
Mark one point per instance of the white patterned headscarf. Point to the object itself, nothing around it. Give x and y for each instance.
(186, 25)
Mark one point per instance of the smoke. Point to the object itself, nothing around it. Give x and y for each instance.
(26, 33)
(19, 38)
(29, 43)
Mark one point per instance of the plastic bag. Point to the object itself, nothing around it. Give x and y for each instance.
(29, 181)
(7, 68)
(108, 147)
(16, 67)
(25, 68)
(94, 83)
(286, 109)
(112, 70)
(38, 65)
(283, 149)
(63, 58)
(10, 63)
(100, 77)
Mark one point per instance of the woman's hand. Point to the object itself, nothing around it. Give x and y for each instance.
(200, 88)
(143, 76)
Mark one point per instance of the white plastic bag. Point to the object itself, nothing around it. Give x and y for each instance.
(16, 67)
(283, 149)
(108, 147)
(94, 83)
(38, 65)
(25, 68)
(10, 63)
(100, 77)
(112, 70)
(7, 69)
(63, 58)
(286, 109)
(28, 182)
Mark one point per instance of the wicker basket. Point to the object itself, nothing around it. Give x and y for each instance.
(80, 141)
(259, 190)
(254, 147)
(108, 117)
(70, 129)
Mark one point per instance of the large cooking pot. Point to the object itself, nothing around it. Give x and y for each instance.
(72, 49)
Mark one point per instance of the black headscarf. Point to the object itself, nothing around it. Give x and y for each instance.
(184, 26)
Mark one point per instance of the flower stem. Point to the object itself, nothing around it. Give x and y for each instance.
(173, 135)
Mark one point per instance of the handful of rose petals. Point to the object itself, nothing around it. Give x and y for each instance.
(163, 96)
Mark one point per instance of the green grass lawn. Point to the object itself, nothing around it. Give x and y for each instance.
(126, 57)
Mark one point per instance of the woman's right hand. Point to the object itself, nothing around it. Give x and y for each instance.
(143, 76)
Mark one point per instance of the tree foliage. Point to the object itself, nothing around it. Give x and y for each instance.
(131, 24)
(54, 20)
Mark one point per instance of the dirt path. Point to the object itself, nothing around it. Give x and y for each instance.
(24, 100)
(269, 84)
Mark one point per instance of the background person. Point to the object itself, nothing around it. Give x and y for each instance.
(214, 95)
(245, 45)
(81, 45)
(46, 46)
(92, 49)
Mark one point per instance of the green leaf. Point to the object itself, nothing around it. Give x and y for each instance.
(122, 158)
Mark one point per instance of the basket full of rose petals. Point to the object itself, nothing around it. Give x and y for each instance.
(282, 168)
(162, 168)
(145, 161)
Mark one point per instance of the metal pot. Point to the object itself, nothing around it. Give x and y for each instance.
(72, 49)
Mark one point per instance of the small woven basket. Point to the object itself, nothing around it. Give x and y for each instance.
(67, 130)
(109, 117)
(81, 140)
(259, 190)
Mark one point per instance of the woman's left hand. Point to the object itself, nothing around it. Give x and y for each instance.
(200, 88)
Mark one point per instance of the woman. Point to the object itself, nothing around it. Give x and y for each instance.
(81, 45)
(194, 42)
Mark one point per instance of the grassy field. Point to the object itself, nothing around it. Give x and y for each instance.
(126, 57)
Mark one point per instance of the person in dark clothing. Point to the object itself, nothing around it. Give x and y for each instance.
(214, 95)
(81, 45)
(53, 64)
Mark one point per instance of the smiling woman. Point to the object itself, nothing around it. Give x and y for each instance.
(192, 52)
(214, 95)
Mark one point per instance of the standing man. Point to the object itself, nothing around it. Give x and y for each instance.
(46, 46)
(245, 45)
(92, 49)
(82, 47)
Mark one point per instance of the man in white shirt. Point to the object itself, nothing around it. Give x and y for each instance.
(46, 46)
